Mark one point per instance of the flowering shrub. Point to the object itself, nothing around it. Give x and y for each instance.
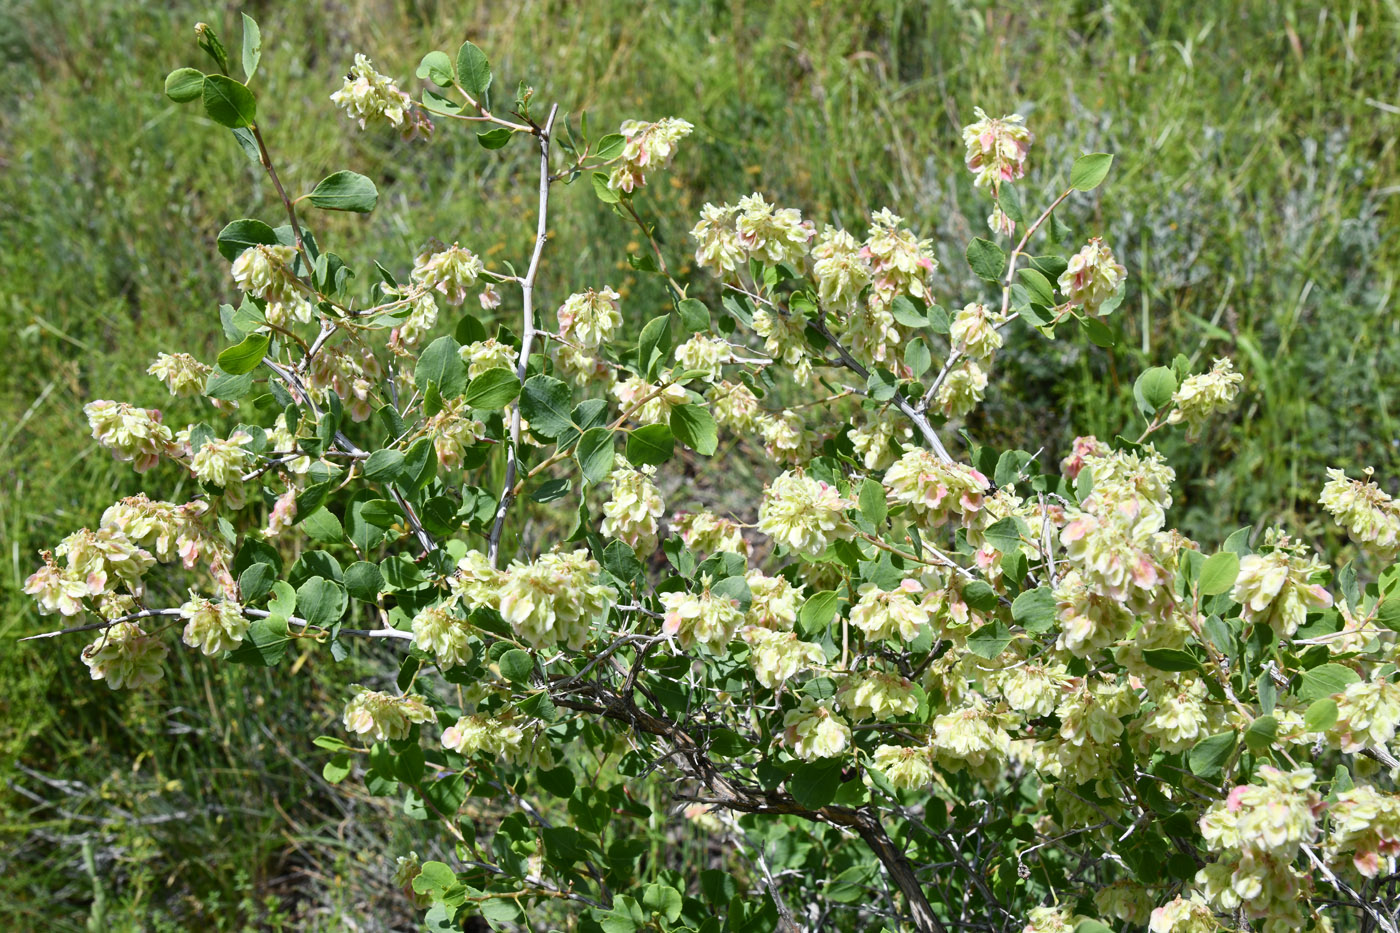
(904, 685)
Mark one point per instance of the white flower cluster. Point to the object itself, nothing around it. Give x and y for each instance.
(590, 318)
(181, 373)
(125, 656)
(450, 271)
(130, 433)
(934, 490)
(554, 599)
(996, 148)
(266, 272)
(384, 717)
(648, 146)
(707, 618)
(1092, 277)
(803, 514)
(213, 627)
(1363, 509)
(1204, 394)
(1276, 588)
(453, 431)
(368, 95)
(632, 511)
(441, 633)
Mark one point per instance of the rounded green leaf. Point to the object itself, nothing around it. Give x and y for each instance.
(228, 102)
(516, 666)
(595, 454)
(473, 70)
(495, 388)
(321, 602)
(1218, 573)
(652, 443)
(986, 259)
(1090, 170)
(695, 427)
(184, 85)
(345, 191)
(545, 403)
(245, 357)
(363, 581)
(437, 68)
(1154, 389)
(252, 46)
(241, 234)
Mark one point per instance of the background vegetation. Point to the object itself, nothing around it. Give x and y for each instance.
(1251, 202)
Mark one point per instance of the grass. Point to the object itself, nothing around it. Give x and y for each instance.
(1250, 201)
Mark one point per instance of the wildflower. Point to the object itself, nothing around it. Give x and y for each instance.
(840, 270)
(1204, 394)
(422, 315)
(777, 657)
(1082, 449)
(1180, 719)
(999, 223)
(57, 590)
(891, 615)
(813, 731)
(283, 514)
(996, 148)
(125, 656)
(962, 390)
(476, 582)
(130, 433)
(706, 531)
(733, 405)
(775, 600)
(1363, 510)
(770, 233)
(554, 599)
(877, 695)
(718, 248)
(181, 373)
(590, 318)
(705, 355)
(1184, 915)
(974, 332)
(1275, 588)
(935, 490)
(1367, 714)
(451, 271)
(220, 462)
(489, 299)
(631, 513)
(659, 400)
(1365, 823)
(786, 438)
(900, 262)
(803, 514)
(383, 716)
(706, 618)
(1092, 277)
(454, 431)
(1032, 689)
(970, 737)
(266, 272)
(213, 627)
(472, 735)
(104, 557)
(784, 336)
(441, 634)
(906, 768)
(368, 95)
(648, 146)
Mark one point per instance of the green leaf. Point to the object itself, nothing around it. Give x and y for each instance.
(252, 46)
(1099, 334)
(816, 613)
(872, 501)
(437, 68)
(1170, 659)
(473, 70)
(601, 189)
(184, 85)
(345, 191)
(434, 877)
(609, 147)
(245, 357)
(1321, 715)
(364, 581)
(383, 466)
(241, 234)
(978, 595)
(337, 769)
(229, 103)
(1323, 681)
(222, 385)
(1092, 926)
(495, 388)
(322, 602)
(1004, 535)
(516, 666)
(986, 259)
(695, 427)
(1038, 287)
(990, 640)
(558, 781)
(1218, 573)
(595, 454)
(1089, 171)
(441, 365)
(1207, 757)
(652, 443)
(1261, 733)
(544, 402)
(256, 582)
(695, 317)
(1035, 610)
(498, 138)
(653, 345)
(1154, 389)
(663, 901)
(814, 784)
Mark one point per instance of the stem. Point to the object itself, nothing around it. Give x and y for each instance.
(527, 291)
